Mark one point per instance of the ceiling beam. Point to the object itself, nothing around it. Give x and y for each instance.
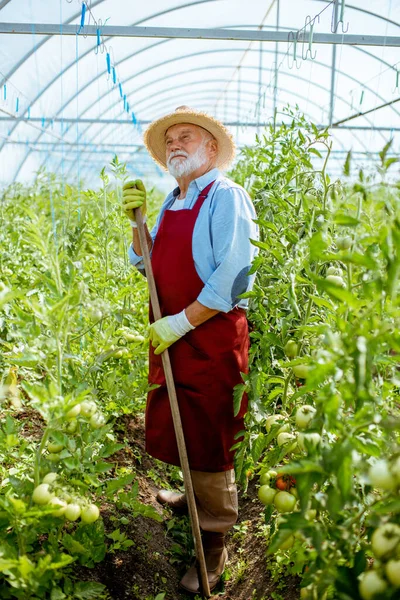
(147, 122)
(199, 34)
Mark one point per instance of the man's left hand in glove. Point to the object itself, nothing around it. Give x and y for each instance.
(164, 332)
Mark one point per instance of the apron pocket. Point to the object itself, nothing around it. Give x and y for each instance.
(192, 368)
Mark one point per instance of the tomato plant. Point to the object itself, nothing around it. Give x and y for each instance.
(73, 318)
(327, 278)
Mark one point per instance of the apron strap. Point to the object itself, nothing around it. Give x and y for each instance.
(202, 196)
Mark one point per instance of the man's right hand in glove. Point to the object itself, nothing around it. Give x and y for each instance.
(133, 196)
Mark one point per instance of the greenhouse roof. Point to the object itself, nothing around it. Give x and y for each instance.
(80, 81)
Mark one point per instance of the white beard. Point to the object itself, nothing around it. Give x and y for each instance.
(192, 162)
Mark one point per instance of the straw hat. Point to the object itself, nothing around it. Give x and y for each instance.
(154, 136)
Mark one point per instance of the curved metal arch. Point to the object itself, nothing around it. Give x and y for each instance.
(72, 63)
(211, 99)
(126, 58)
(255, 83)
(214, 51)
(163, 63)
(4, 3)
(176, 8)
(286, 74)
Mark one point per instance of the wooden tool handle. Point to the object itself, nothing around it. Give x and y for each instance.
(180, 438)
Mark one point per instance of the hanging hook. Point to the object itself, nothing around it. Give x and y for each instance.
(336, 19)
(309, 22)
(293, 38)
(341, 20)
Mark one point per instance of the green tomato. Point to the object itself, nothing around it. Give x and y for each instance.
(344, 243)
(269, 422)
(294, 492)
(97, 420)
(72, 512)
(380, 475)
(291, 349)
(72, 426)
(393, 572)
(288, 543)
(308, 440)
(73, 412)
(330, 271)
(133, 337)
(285, 438)
(301, 371)
(371, 585)
(90, 514)
(285, 428)
(59, 506)
(304, 416)
(88, 408)
(336, 280)
(53, 457)
(50, 477)
(385, 539)
(310, 514)
(284, 502)
(41, 494)
(266, 494)
(53, 447)
(265, 478)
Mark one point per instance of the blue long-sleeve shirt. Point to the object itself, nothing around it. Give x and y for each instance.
(222, 251)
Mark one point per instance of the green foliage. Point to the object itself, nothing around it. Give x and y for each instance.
(73, 356)
(347, 332)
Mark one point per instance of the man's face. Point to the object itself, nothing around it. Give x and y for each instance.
(188, 149)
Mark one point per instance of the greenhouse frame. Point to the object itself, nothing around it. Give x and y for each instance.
(80, 81)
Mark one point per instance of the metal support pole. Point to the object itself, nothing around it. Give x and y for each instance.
(276, 70)
(259, 88)
(197, 34)
(333, 73)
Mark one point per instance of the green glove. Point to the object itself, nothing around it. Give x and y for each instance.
(133, 196)
(162, 335)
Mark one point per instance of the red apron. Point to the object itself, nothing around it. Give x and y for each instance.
(206, 362)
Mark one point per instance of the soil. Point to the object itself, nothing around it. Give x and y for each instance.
(158, 558)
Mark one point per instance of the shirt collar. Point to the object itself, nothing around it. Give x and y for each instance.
(201, 182)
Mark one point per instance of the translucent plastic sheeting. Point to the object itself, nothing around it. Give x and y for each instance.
(80, 102)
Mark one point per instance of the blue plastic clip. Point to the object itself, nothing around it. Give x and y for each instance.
(29, 112)
(5, 92)
(43, 121)
(108, 59)
(127, 107)
(82, 17)
(114, 75)
(120, 90)
(124, 100)
(134, 119)
(17, 105)
(98, 37)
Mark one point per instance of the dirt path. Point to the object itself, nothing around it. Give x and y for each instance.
(159, 555)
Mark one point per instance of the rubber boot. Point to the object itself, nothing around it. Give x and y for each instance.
(177, 502)
(216, 555)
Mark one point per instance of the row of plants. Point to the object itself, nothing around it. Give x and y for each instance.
(73, 358)
(323, 428)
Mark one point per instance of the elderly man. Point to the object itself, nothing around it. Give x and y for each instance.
(201, 255)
